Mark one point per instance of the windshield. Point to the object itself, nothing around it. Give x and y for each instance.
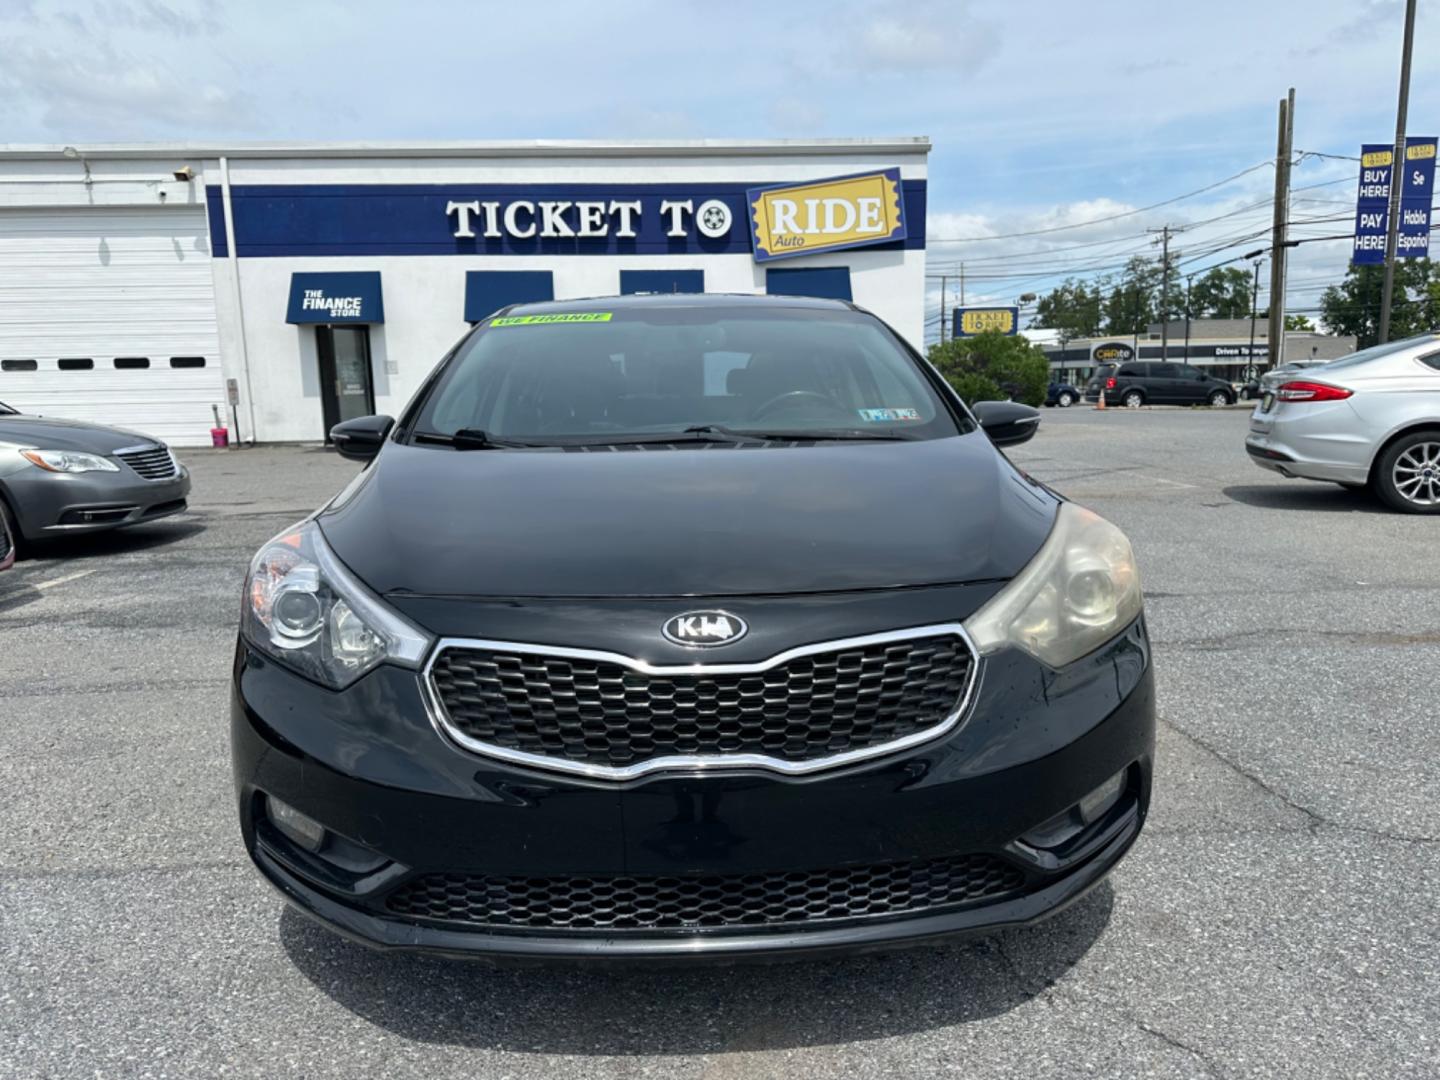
(6, 410)
(651, 371)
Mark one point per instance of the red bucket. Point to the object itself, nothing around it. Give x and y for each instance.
(219, 437)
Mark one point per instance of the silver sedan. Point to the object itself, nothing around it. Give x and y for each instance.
(1371, 420)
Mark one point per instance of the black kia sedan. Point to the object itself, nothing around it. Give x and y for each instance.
(679, 628)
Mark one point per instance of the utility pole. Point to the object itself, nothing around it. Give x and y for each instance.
(1393, 229)
(1189, 280)
(1283, 153)
(943, 282)
(1165, 231)
(1254, 303)
(962, 284)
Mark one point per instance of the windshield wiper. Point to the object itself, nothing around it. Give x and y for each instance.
(471, 439)
(819, 434)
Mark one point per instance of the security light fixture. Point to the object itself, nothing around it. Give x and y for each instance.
(184, 174)
(73, 154)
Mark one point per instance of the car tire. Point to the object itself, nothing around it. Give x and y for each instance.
(13, 526)
(1132, 399)
(1218, 398)
(1407, 473)
(1065, 400)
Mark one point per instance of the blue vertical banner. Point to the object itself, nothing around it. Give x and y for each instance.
(1417, 178)
(1372, 203)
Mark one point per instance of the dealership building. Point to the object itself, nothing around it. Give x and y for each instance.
(291, 286)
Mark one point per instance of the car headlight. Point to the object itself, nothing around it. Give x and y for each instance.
(69, 461)
(306, 610)
(1080, 590)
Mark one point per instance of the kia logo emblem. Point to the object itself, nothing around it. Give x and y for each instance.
(699, 629)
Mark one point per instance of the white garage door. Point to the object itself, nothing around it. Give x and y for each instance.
(108, 314)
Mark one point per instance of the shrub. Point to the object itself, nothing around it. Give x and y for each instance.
(993, 367)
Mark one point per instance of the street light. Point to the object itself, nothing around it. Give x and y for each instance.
(1257, 255)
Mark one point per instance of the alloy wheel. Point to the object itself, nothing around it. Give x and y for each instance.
(1133, 400)
(1416, 474)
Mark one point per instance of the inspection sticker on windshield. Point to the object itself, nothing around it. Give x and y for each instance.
(880, 416)
(537, 320)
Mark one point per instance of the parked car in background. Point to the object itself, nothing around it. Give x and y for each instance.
(1062, 394)
(1151, 382)
(1371, 420)
(818, 670)
(59, 477)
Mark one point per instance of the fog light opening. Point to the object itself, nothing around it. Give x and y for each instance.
(1102, 800)
(301, 830)
(1060, 830)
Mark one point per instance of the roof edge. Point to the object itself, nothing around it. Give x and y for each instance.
(491, 148)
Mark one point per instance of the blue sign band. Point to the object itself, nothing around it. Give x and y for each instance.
(347, 220)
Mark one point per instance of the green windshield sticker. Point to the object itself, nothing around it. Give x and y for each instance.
(537, 320)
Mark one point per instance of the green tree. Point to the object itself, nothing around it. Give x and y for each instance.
(993, 367)
(1353, 306)
(1298, 322)
(1222, 293)
(1073, 308)
(1133, 302)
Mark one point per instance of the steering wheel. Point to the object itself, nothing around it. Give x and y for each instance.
(791, 397)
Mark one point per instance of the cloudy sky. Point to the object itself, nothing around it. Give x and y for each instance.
(1043, 115)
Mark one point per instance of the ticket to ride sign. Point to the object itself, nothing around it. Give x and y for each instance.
(970, 321)
(826, 215)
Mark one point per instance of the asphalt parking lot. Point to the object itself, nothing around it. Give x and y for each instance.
(1279, 917)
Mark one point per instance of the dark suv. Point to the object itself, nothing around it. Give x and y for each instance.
(1141, 382)
(677, 627)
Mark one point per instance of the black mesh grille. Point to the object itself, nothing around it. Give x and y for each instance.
(601, 713)
(152, 464)
(657, 903)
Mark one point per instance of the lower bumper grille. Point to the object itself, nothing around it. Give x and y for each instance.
(663, 903)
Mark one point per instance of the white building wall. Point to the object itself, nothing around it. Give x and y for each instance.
(273, 363)
(424, 294)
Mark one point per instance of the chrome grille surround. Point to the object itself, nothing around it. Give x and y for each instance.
(154, 462)
(699, 762)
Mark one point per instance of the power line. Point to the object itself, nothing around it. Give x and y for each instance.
(1102, 220)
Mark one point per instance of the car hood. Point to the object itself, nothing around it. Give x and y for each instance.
(710, 521)
(46, 433)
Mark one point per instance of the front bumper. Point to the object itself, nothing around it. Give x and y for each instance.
(61, 504)
(368, 765)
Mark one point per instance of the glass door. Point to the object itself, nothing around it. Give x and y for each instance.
(347, 389)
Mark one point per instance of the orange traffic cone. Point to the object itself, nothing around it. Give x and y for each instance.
(1100, 403)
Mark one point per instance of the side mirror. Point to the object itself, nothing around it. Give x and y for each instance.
(360, 439)
(1008, 423)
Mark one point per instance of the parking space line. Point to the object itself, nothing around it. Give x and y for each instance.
(63, 580)
(1176, 483)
